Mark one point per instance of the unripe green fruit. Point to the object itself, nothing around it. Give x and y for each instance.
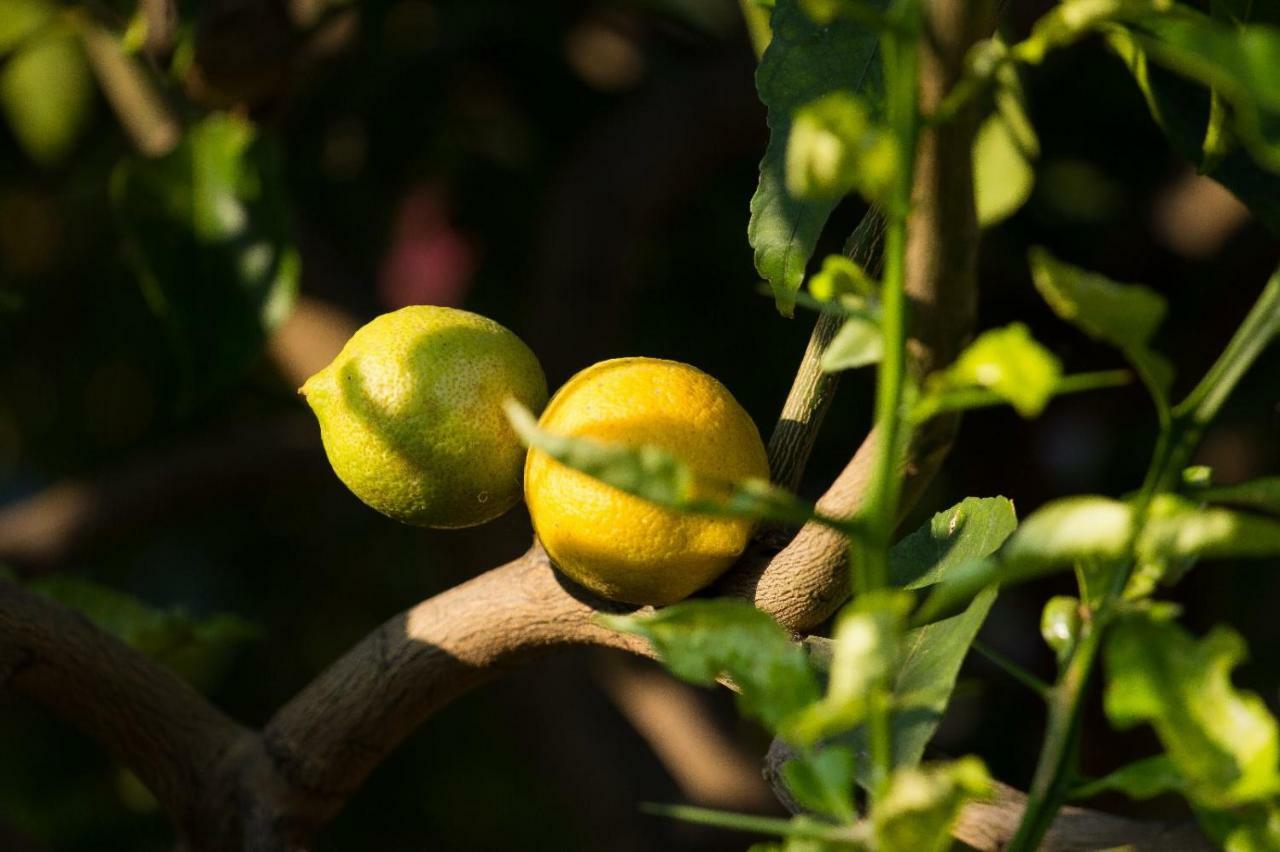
(411, 415)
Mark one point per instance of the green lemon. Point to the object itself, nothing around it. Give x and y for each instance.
(411, 415)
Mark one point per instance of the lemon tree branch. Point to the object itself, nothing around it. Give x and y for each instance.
(140, 712)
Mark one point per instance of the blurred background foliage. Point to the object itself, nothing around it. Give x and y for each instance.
(194, 217)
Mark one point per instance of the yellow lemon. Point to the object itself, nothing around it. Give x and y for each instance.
(411, 415)
(620, 546)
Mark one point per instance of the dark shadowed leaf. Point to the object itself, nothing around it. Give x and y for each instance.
(197, 647)
(1124, 315)
(823, 782)
(702, 640)
(1182, 108)
(804, 62)
(1241, 63)
(208, 232)
(1260, 495)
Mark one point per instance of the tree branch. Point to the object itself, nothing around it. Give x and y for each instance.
(140, 712)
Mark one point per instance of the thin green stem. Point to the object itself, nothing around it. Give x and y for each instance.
(1012, 669)
(899, 48)
(930, 406)
(1051, 786)
(758, 824)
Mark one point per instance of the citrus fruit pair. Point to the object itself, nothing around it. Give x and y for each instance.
(412, 420)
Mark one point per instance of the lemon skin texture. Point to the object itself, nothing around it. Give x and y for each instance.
(411, 415)
(621, 547)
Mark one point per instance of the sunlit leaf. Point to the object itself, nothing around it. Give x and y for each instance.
(1060, 625)
(702, 640)
(1061, 534)
(1011, 364)
(1069, 530)
(1002, 175)
(922, 803)
(208, 232)
(804, 62)
(976, 526)
(835, 148)
(841, 276)
(653, 474)
(858, 343)
(46, 90)
(1221, 739)
(1179, 528)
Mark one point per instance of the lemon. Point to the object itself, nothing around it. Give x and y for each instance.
(411, 415)
(619, 546)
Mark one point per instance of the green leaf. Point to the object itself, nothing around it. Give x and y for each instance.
(804, 62)
(1241, 63)
(1182, 108)
(1008, 362)
(974, 527)
(196, 647)
(1142, 779)
(842, 276)
(20, 20)
(702, 640)
(1003, 177)
(46, 90)
(1178, 528)
(1066, 531)
(930, 665)
(1074, 531)
(1222, 740)
(1124, 315)
(926, 677)
(1260, 495)
(858, 343)
(653, 474)
(865, 649)
(836, 148)
(922, 804)
(823, 782)
(209, 235)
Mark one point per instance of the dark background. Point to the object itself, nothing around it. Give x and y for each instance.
(580, 172)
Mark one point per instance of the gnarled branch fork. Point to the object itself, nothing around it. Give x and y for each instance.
(227, 787)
